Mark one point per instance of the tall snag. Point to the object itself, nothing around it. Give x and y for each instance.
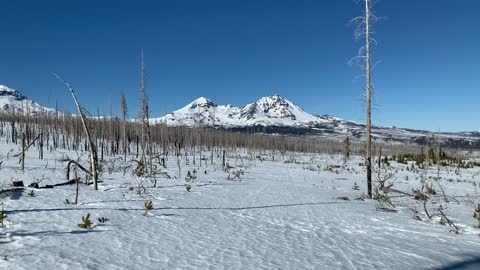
(364, 62)
(369, 98)
(124, 112)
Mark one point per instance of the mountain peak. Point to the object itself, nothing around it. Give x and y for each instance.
(274, 101)
(274, 106)
(276, 96)
(12, 100)
(201, 102)
(6, 91)
(273, 110)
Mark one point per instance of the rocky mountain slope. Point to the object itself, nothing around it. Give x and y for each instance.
(13, 101)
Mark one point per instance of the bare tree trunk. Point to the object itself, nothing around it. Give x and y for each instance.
(223, 160)
(41, 146)
(382, 183)
(346, 150)
(124, 111)
(77, 189)
(380, 157)
(369, 97)
(23, 151)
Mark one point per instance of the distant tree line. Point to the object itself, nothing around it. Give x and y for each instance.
(113, 136)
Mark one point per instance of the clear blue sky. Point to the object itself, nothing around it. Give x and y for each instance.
(236, 51)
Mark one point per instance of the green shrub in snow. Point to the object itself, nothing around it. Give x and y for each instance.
(86, 222)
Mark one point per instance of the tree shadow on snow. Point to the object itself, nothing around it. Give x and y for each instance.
(249, 207)
(176, 208)
(203, 185)
(237, 183)
(52, 233)
(16, 194)
(470, 264)
(114, 201)
(69, 209)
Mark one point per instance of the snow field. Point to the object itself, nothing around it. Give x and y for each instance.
(278, 216)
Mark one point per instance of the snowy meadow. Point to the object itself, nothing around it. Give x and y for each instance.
(252, 209)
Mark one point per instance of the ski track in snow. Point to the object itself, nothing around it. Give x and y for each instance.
(279, 216)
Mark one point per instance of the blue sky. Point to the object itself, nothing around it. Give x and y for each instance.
(236, 51)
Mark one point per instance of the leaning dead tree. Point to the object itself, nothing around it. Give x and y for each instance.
(93, 150)
(364, 61)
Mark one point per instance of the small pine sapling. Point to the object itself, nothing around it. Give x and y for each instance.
(148, 207)
(476, 214)
(86, 222)
(140, 169)
(191, 176)
(381, 191)
(356, 186)
(3, 216)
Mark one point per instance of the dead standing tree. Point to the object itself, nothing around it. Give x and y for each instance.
(93, 149)
(364, 62)
(124, 111)
(145, 118)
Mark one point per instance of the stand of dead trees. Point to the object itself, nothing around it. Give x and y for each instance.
(112, 136)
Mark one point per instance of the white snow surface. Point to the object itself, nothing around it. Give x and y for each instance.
(12, 100)
(281, 214)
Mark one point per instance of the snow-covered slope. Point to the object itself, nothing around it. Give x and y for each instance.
(276, 110)
(13, 101)
(201, 112)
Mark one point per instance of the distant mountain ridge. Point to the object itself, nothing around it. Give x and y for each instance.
(267, 111)
(274, 114)
(13, 101)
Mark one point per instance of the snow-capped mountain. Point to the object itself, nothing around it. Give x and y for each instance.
(275, 110)
(201, 112)
(267, 111)
(13, 101)
(275, 114)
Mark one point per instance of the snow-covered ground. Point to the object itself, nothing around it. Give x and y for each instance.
(281, 214)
